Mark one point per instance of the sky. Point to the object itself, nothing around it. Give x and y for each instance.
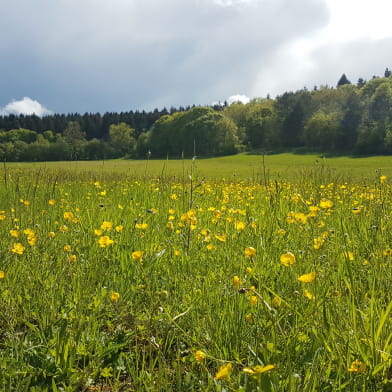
(77, 56)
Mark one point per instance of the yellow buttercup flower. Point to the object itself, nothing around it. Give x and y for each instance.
(221, 237)
(18, 249)
(383, 179)
(250, 252)
(259, 369)
(200, 355)
(240, 226)
(137, 255)
(308, 294)
(106, 226)
(14, 233)
(318, 242)
(69, 216)
(357, 367)
(105, 241)
(67, 248)
(236, 281)
(224, 372)
(324, 203)
(52, 202)
(114, 297)
(307, 278)
(287, 259)
(2, 274)
(142, 226)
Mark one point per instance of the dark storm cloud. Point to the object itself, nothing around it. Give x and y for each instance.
(95, 55)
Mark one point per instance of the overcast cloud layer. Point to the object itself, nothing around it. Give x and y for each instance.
(118, 55)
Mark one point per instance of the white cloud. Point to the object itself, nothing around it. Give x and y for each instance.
(25, 106)
(233, 3)
(238, 98)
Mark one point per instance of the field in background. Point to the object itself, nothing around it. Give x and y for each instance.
(244, 166)
(228, 274)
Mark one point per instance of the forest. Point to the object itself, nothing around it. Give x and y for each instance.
(350, 119)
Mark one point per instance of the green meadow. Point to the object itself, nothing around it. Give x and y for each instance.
(242, 166)
(242, 273)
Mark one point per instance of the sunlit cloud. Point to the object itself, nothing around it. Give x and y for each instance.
(238, 98)
(25, 106)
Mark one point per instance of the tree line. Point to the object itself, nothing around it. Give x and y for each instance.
(346, 119)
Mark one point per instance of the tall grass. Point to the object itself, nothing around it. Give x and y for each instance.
(133, 282)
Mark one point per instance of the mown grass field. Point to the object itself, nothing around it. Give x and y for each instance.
(231, 274)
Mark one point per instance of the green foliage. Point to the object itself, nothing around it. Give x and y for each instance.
(199, 131)
(321, 131)
(121, 139)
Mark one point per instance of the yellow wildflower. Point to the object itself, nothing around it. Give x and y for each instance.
(221, 237)
(383, 179)
(170, 226)
(287, 259)
(308, 294)
(18, 249)
(106, 226)
(51, 234)
(69, 216)
(259, 369)
(236, 281)
(105, 241)
(114, 297)
(14, 233)
(240, 226)
(250, 252)
(349, 255)
(2, 274)
(318, 242)
(200, 355)
(67, 248)
(224, 372)
(253, 300)
(357, 367)
(142, 226)
(307, 278)
(52, 202)
(137, 255)
(119, 228)
(324, 203)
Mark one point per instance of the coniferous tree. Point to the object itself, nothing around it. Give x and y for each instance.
(343, 80)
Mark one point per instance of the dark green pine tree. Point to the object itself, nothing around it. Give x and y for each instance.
(343, 80)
